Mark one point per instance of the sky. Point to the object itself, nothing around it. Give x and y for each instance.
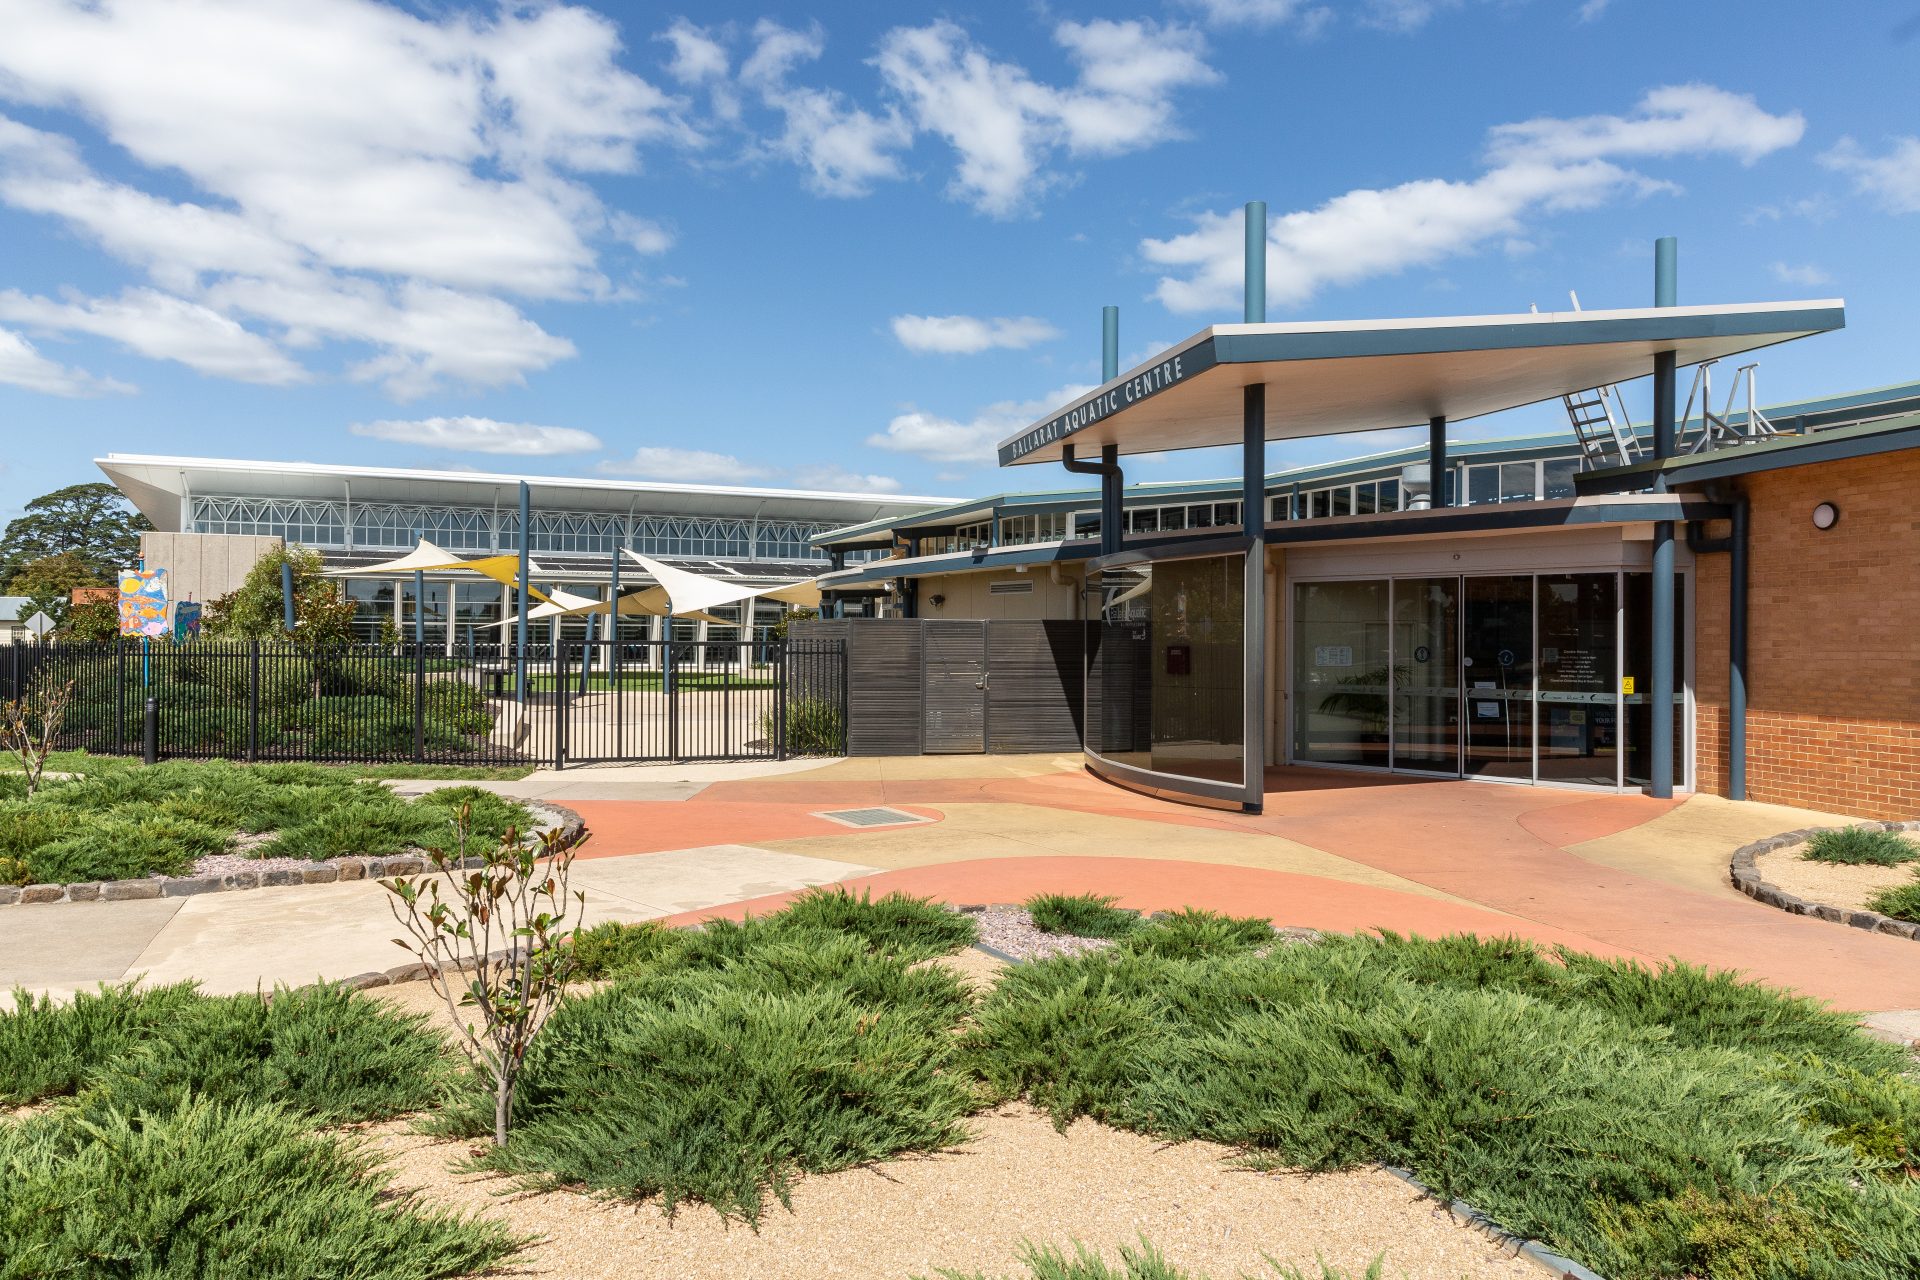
(805, 246)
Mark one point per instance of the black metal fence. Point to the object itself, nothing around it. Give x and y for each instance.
(581, 702)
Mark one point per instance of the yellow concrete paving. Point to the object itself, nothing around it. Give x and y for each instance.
(920, 768)
(971, 832)
(1690, 845)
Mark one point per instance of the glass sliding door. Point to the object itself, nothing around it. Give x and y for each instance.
(1426, 669)
(1579, 650)
(1497, 662)
(1342, 682)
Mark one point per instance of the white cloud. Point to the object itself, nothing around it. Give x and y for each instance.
(951, 440)
(1593, 10)
(332, 147)
(845, 149)
(840, 480)
(1806, 274)
(480, 435)
(1005, 124)
(1893, 179)
(1258, 13)
(163, 327)
(1539, 167)
(1403, 15)
(686, 466)
(969, 335)
(21, 365)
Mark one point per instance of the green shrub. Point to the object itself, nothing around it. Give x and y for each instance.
(1861, 847)
(815, 727)
(14, 871)
(1191, 932)
(897, 925)
(217, 1190)
(125, 848)
(615, 950)
(1142, 1263)
(1902, 902)
(49, 1049)
(1084, 915)
(489, 816)
(319, 1051)
(362, 825)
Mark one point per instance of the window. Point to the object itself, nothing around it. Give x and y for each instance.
(1280, 508)
(1483, 485)
(1389, 495)
(1226, 513)
(1343, 501)
(1200, 517)
(1516, 482)
(1559, 477)
(1172, 518)
(1319, 503)
(1364, 498)
(1144, 520)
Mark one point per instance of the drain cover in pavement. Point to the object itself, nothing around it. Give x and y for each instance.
(871, 817)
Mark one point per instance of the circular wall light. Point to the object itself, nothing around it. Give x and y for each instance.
(1825, 516)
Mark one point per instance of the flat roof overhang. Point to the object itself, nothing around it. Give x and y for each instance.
(1329, 378)
(1492, 518)
(1835, 444)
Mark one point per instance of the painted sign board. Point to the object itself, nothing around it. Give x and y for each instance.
(143, 602)
(1111, 399)
(186, 621)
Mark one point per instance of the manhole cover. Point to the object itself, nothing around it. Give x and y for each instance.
(871, 817)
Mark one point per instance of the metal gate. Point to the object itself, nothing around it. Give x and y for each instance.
(955, 667)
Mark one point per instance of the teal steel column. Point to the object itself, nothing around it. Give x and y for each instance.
(1256, 279)
(1253, 518)
(520, 619)
(419, 603)
(1113, 482)
(1660, 690)
(286, 594)
(1109, 343)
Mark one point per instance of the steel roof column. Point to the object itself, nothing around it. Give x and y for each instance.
(1437, 462)
(1660, 687)
(520, 619)
(1253, 518)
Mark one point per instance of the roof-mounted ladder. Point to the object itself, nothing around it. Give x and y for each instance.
(1717, 429)
(1600, 423)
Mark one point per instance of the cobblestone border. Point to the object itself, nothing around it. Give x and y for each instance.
(1746, 878)
(548, 816)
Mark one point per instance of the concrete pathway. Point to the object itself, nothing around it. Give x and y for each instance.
(237, 941)
(1620, 875)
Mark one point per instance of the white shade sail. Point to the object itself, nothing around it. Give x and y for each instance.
(689, 593)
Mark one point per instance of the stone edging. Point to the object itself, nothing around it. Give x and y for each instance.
(1746, 878)
(548, 816)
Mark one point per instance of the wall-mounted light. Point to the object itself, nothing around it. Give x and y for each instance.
(936, 601)
(1825, 516)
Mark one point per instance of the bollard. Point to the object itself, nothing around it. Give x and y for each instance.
(150, 733)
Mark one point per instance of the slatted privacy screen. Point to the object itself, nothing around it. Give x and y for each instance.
(956, 686)
(885, 687)
(1034, 688)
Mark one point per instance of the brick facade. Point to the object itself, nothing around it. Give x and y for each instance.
(1833, 670)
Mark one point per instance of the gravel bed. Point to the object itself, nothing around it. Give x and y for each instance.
(1011, 931)
(1837, 885)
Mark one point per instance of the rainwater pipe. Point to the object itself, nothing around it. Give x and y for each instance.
(1112, 480)
(1734, 545)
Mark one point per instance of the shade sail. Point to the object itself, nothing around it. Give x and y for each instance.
(1326, 378)
(428, 558)
(646, 602)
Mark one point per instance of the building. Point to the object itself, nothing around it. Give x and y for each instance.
(13, 620)
(214, 518)
(1662, 607)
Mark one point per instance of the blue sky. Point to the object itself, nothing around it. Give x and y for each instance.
(803, 246)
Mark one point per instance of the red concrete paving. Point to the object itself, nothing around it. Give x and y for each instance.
(1153, 885)
(1498, 845)
(654, 826)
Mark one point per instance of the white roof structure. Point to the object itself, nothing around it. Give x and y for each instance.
(160, 486)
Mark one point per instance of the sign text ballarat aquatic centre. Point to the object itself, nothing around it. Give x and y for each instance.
(1149, 381)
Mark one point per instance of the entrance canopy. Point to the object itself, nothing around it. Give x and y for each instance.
(1327, 378)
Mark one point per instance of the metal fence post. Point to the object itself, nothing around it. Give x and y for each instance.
(846, 697)
(419, 702)
(780, 678)
(672, 696)
(120, 699)
(560, 707)
(253, 702)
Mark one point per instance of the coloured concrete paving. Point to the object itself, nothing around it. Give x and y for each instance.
(1617, 875)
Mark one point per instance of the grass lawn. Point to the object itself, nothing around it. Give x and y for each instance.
(87, 763)
(1652, 1124)
(128, 822)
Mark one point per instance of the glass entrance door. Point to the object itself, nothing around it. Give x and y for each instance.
(1426, 671)
(1497, 670)
(1579, 649)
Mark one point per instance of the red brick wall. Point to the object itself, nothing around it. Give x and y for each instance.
(1833, 670)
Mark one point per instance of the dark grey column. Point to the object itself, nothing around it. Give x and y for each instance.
(1660, 685)
(1437, 459)
(1253, 502)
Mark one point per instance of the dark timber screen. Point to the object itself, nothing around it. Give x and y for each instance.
(938, 685)
(370, 703)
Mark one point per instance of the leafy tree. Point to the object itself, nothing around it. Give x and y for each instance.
(48, 583)
(256, 610)
(95, 622)
(92, 521)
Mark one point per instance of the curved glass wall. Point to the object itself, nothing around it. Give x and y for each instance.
(1166, 675)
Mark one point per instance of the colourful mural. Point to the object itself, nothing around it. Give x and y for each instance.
(143, 602)
(186, 621)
